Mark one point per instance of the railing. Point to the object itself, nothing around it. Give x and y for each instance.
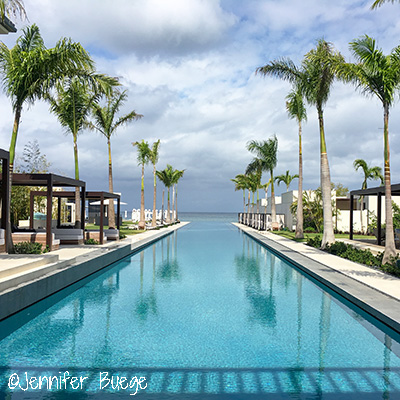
(255, 220)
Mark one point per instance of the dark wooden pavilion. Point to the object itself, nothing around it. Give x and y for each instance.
(49, 181)
(376, 191)
(88, 196)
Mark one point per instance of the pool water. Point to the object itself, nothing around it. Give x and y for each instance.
(204, 313)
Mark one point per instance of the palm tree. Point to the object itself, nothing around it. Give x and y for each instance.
(72, 104)
(286, 179)
(29, 69)
(14, 7)
(296, 109)
(378, 3)
(166, 177)
(176, 176)
(106, 123)
(143, 158)
(265, 160)
(314, 80)
(154, 159)
(241, 183)
(369, 173)
(378, 75)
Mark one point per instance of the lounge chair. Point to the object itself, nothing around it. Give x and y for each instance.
(69, 235)
(112, 234)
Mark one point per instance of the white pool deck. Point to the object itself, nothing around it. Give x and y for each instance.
(374, 291)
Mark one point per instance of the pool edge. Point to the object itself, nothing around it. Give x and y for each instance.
(22, 296)
(381, 306)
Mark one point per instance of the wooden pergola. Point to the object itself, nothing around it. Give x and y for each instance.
(49, 181)
(5, 189)
(88, 196)
(376, 191)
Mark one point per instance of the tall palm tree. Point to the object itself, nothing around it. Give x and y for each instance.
(379, 75)
(314, 80)
(286, 179)
(265, 160)
(241, 183)
(29, 69)
(143, 158)
(296, 109)
(154, 159)
(176, 176)
(369, 173)
(166, 177)
(72, 104)
(106, 122)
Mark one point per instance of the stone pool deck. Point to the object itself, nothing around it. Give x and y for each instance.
(26, 279)
(373, 291)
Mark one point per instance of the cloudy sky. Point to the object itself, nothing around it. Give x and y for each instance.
(188, 67)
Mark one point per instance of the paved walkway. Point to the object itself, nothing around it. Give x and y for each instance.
(374, 291)
(17, 270)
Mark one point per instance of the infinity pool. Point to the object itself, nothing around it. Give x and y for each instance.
(203, 313)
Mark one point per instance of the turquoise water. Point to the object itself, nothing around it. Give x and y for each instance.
(204, 313)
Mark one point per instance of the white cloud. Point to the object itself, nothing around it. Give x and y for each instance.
(188, 66)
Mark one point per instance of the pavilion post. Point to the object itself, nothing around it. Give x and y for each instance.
(31, 210)
(351, 216)
(5, 205)
(83, 203)
(379, 219)
(49, 240)
(118, 211)
(101, 216)
(59, 212)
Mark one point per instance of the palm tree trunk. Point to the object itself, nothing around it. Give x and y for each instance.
(361, 213)
(77, 191)
(111, 210)
(173, 203)
(244, 201)
(168, 209)
(258, 202)
(162, 208)
(154, 217)
(142, 222)
(248, 202)
(299, 213)
(17, 118)
(328, 235)
(273, 205)
(390, 248)
(176, 203)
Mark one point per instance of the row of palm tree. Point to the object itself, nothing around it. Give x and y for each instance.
(65, 76)
(169, 177)
(373, 73)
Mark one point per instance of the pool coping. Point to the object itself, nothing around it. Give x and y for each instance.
(71, 269)
(372, 300)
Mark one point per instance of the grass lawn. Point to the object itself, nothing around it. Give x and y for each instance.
(290, 235)
(123, 228)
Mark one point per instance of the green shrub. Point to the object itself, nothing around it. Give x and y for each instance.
(28, 248)
(360, 256)
(309, 229)
(314, 242)
(91, 241)
(122, 235)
